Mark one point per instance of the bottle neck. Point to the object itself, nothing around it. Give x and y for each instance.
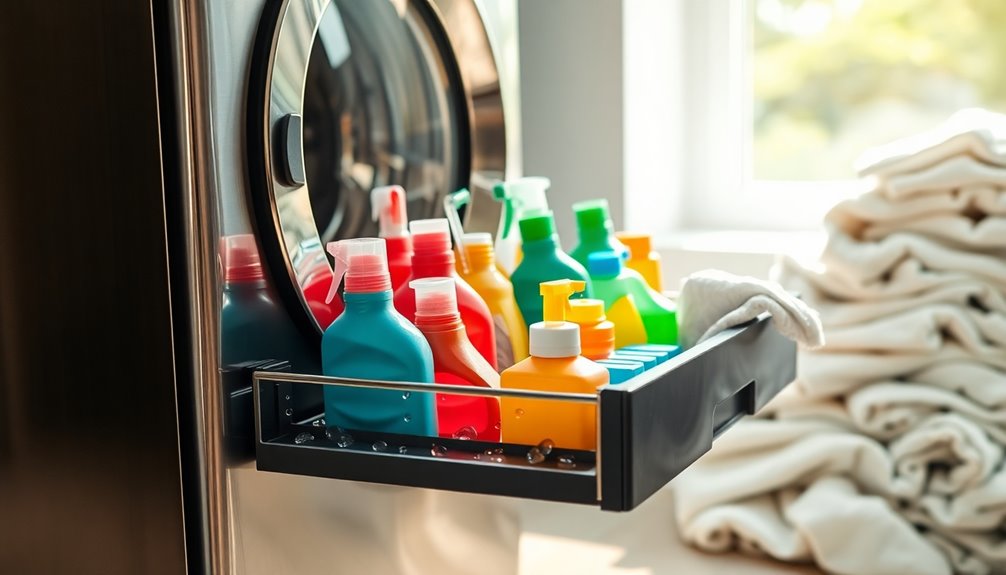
(545, 245)
(591, 235)
(440, 324)
(432, 264)
(480, 257)
(244, 286)
(367, 302)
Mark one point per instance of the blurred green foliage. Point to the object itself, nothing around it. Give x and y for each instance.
(832, 77)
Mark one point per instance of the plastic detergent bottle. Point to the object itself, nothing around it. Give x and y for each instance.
(456, 362)
(370, 340)
(597, 334)
(642, 258)
(520, 197)
(613, 282)
(595, 231)
(432, 257)
(608, 275)
(543, 261)
(555, 365)
(388, 206)
(253, 326)
(482, 275)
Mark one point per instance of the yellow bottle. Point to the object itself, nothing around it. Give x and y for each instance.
(642, 258)
(485, 278)
(555, 365)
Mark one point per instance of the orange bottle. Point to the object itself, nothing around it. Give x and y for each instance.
(642, 258)
(555, 365)
(488, 282)
(597, 334)
(456, 362)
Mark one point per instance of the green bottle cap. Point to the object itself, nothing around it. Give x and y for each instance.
(537, 226)
(592, 215)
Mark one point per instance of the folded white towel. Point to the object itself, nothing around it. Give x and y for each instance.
(962, 232)
(924, 329)
(886, 410)
(983, 507)
(867, 263)
(748, 490)
(973, 132)
(837, 312)
(875, 207)
(828, 374)
(711, 301)
(952, 173)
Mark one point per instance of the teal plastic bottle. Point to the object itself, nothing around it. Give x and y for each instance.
(595, 231)
(370, 340)
(613, 281)
(252, 325)
(543, 261)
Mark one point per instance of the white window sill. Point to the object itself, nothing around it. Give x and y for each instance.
(749, 253)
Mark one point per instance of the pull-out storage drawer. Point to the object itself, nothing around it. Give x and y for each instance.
(650, 428)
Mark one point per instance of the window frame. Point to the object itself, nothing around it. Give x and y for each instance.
(717, 190)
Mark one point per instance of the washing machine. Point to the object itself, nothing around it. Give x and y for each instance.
(288, 113)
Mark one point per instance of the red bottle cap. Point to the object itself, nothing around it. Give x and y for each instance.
(363, 262)
(240, 259)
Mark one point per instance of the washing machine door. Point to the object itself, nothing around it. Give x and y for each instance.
(355, 94)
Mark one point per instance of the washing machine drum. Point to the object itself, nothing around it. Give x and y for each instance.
(360, 94)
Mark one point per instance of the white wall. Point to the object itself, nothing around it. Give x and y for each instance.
(572, 105)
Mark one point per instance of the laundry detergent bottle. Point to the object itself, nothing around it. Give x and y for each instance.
(497, 291)
(433, 257)
(253, 325)
(520, 197)
(370, 340)
(595, 231)
(642, 258)
(388, 207)
(555, 365)
(611, 286)
(456, 362)
(543, 261)
(627, 296)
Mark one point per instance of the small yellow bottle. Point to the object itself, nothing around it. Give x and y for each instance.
(642, 258)
(555, 365)
(488, 282)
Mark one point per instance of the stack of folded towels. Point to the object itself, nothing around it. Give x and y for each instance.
(886, 455)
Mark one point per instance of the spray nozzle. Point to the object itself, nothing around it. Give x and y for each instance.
(555, 298)
(520, 196)
(363, 262)
(388, 207)
(453, 203)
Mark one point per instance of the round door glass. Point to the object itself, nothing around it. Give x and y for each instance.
(379, 109)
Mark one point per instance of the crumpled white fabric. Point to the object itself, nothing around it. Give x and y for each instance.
(895, 428)
(712, 301)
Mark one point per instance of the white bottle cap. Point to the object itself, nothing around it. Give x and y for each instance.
(434, 226)
(553, 339)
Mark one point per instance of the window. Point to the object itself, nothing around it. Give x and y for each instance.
(778, 97)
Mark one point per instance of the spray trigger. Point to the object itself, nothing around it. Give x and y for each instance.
(452, 203)
(555, 298)
(338, 251)
(388, 207)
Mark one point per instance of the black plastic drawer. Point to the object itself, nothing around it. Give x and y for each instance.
(650, 429)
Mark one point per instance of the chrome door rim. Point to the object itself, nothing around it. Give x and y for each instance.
(289, 238)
